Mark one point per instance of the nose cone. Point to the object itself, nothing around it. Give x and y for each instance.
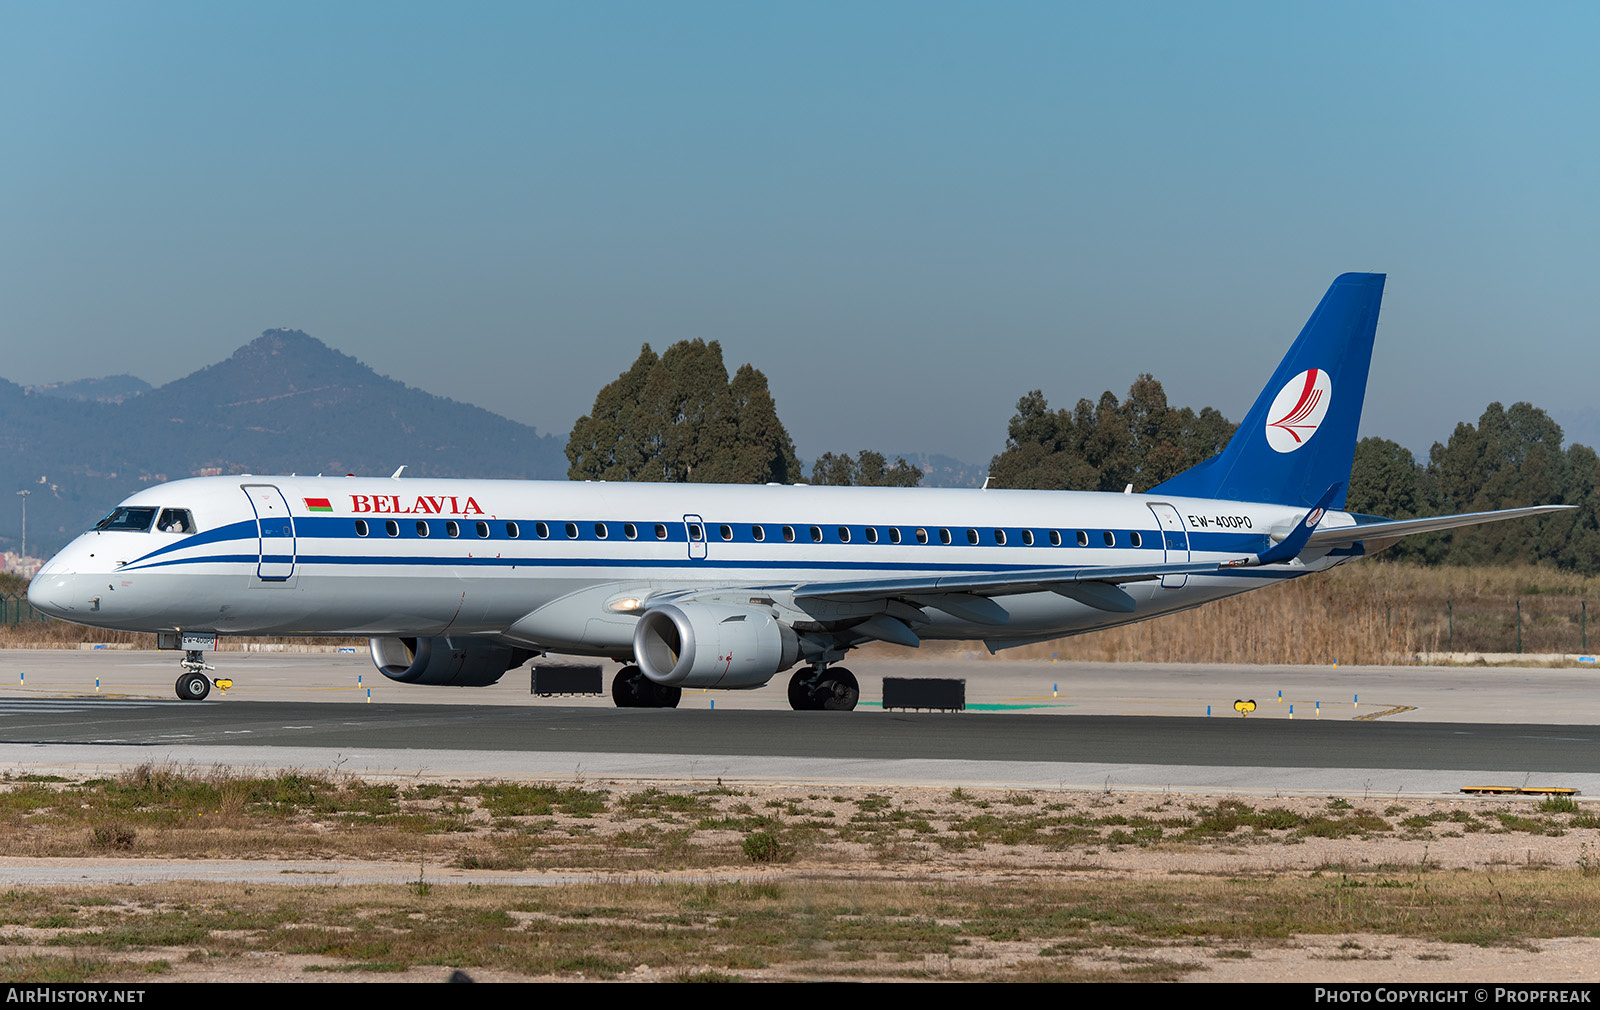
(50, 592)
(60, 588)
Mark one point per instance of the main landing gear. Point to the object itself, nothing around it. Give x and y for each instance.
(632, 689)
(824, 689)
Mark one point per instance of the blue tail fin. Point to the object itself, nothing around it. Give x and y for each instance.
(1300, 437)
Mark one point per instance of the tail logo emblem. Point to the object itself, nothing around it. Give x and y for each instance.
(1298, 409)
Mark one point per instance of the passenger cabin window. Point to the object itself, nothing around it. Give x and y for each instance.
(944, 536)
(513, 531)
(572, 531)
(758, 533)
(844, 534)
(894, 534)
(128, 520)
(391, 527)
(452, 528)
(361, 527)
(601, 531)
(696, 533)
(661, 531)
(972, 536)
(816, 534)
(175, 521)
(1083, 539)
(630, 531)
(922, 535)
(422, 528)
(788, 534)
(483, 531)
(541, 530)
(1135, 539)
(1000, 537)
(1027, 538)
(725, 532)
(1110, 538)
(872, 534)
(1055, 538)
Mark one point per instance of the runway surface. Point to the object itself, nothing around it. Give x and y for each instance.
(305, 711)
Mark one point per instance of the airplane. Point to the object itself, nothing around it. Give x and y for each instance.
(457, 582)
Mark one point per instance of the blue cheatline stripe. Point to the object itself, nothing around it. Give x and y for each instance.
(681, 564)
(325, 528)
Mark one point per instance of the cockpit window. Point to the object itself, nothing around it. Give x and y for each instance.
(128, 520)
(175, 521)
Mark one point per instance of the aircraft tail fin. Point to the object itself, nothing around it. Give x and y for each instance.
(1300, 436)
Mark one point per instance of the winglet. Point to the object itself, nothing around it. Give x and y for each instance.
(1290, 546)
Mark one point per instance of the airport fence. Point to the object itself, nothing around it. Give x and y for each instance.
(1533, 625)
(15, 609)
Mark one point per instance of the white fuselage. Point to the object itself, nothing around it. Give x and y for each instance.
(542, 564)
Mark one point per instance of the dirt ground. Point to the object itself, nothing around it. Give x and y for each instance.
(1395, 835)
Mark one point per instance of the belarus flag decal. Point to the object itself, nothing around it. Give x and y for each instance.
(318, 505)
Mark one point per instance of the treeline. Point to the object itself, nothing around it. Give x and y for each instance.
(678, 416)
(1510, 458)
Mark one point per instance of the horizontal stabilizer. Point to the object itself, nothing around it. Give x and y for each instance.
(1391, 529)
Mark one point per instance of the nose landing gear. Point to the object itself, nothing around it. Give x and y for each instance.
(194, 685)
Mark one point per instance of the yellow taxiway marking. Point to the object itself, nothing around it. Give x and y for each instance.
(1396, 710)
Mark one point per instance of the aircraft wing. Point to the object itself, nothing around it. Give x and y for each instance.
(1393, 529)
(1032, 580)
(965, 594)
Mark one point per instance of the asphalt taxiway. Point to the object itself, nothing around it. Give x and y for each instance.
(1132, 726)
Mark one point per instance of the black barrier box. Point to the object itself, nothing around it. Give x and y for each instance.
(549, 680)
(924, 692)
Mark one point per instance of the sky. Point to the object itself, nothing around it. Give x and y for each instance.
(907, 215)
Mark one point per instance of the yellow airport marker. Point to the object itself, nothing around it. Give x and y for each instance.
(1244, 708)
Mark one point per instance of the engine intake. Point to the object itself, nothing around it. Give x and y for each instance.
(712, 645)
(457, 662)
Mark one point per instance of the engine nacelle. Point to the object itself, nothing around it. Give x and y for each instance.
(712, 645)
(457, 662)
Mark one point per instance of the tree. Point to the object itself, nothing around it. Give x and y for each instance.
(1509, 459)
(1385, 480)
(1106, 445)
(677, 417)
(868, 469)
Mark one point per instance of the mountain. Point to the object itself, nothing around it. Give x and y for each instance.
(111, 389)
(943, 471)
(283, 403)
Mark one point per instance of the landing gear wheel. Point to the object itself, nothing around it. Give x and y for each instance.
(800, 691)
(632, 689)
(831, 690)
(837, 690)
(628, 687)
(193, 687)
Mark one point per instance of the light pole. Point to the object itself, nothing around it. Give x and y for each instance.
(24, 496)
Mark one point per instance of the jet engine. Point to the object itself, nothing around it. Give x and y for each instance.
(712, 645)
(457, 662)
